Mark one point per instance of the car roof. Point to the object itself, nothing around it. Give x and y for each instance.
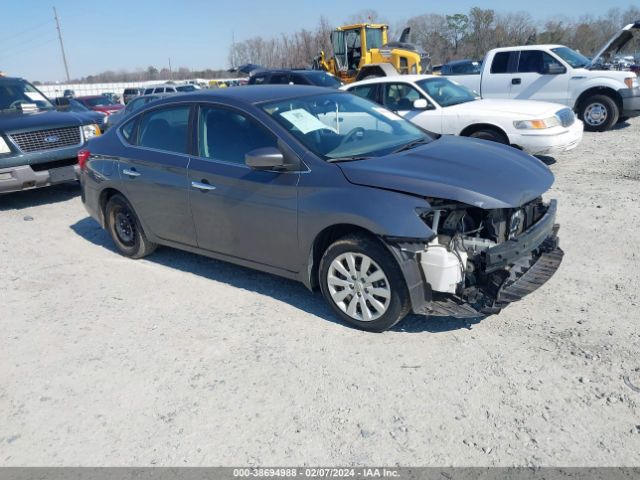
(529, 47)
(87, 97)
(458, 62)
(251, 94)
(394, 78)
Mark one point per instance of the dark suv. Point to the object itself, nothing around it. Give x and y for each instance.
(38, 144)
(294, 77)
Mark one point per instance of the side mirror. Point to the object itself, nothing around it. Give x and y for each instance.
(267, 158)
(555, 69)
(420, 104)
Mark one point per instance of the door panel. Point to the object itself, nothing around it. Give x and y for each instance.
(249, 214)
(155, 176)
(497, 84)
(160, 193)
(530, 82)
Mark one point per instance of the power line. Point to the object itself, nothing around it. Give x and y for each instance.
(19, 51)
(26, 30)
(11, 49)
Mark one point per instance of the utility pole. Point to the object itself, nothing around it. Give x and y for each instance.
(170, 71)
(64, 57)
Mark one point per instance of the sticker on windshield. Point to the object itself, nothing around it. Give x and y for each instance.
(35, 96)
(304, 121)
(386, 113)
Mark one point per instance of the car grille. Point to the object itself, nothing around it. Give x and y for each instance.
(50, 139)
(566, 117)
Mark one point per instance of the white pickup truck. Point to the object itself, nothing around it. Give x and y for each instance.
(555, 73)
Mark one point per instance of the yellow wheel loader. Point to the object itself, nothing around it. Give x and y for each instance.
(362, 50)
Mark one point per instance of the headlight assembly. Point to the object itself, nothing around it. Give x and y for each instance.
(90, 131)
(537, 124)
(4, 148)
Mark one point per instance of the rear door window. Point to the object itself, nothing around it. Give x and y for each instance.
(500, 62)
(370, 92)
(279, 78)
(299, 80)
(165, 129)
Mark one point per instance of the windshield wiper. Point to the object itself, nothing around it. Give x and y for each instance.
(347, 159)
(411, 145)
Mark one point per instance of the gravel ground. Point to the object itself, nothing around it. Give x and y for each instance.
(181, 360)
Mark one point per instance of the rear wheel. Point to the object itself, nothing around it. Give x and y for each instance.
(599, 113)
(363, 284)
(125, 229)
(491, 135)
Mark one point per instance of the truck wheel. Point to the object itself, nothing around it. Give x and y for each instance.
(599, 113)
(125, 229)
(491, 135)
(363, 284)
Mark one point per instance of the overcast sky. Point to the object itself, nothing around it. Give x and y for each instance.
(115, 34)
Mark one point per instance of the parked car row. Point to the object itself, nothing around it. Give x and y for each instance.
(361, 191)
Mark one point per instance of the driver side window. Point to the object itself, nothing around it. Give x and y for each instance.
(227, 135)
(400, 96)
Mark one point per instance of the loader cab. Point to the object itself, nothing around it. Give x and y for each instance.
(352, 45)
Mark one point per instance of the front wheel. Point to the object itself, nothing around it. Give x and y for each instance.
(363, 284)
(599, 113)
(490, 135)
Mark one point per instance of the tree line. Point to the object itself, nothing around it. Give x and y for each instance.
(445, 37)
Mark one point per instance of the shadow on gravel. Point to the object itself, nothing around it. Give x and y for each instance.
(289, 291)
(620, 125)
(39, 196)
(546, 159)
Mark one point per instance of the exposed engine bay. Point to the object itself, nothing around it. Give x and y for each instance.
(460, 259)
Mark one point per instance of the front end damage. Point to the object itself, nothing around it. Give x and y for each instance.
(478, 260)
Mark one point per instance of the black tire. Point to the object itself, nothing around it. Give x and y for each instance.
(599, 113)
(490, 134)
(397, 302)
(125, 229)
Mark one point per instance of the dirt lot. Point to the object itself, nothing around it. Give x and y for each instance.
(180, 360)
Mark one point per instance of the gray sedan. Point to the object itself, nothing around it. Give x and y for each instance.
(332, 190)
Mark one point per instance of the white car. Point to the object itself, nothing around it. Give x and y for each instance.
(443, 106)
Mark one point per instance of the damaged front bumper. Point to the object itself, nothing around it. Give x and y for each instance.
(510, 271)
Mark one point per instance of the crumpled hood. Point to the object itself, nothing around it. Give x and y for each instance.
(475, 172)
(523, 108)
(16, 121)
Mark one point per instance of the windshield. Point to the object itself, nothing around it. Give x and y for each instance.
(445, 92)
(15, 93)
(339, 126)
(98, 101)
(186, 88)
(76, 106)
(572, 57)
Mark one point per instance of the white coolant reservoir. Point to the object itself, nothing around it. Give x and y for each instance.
(442, 268)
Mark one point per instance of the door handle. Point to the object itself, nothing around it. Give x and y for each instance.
(203, 186)
(516, 81)
(131, 173)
